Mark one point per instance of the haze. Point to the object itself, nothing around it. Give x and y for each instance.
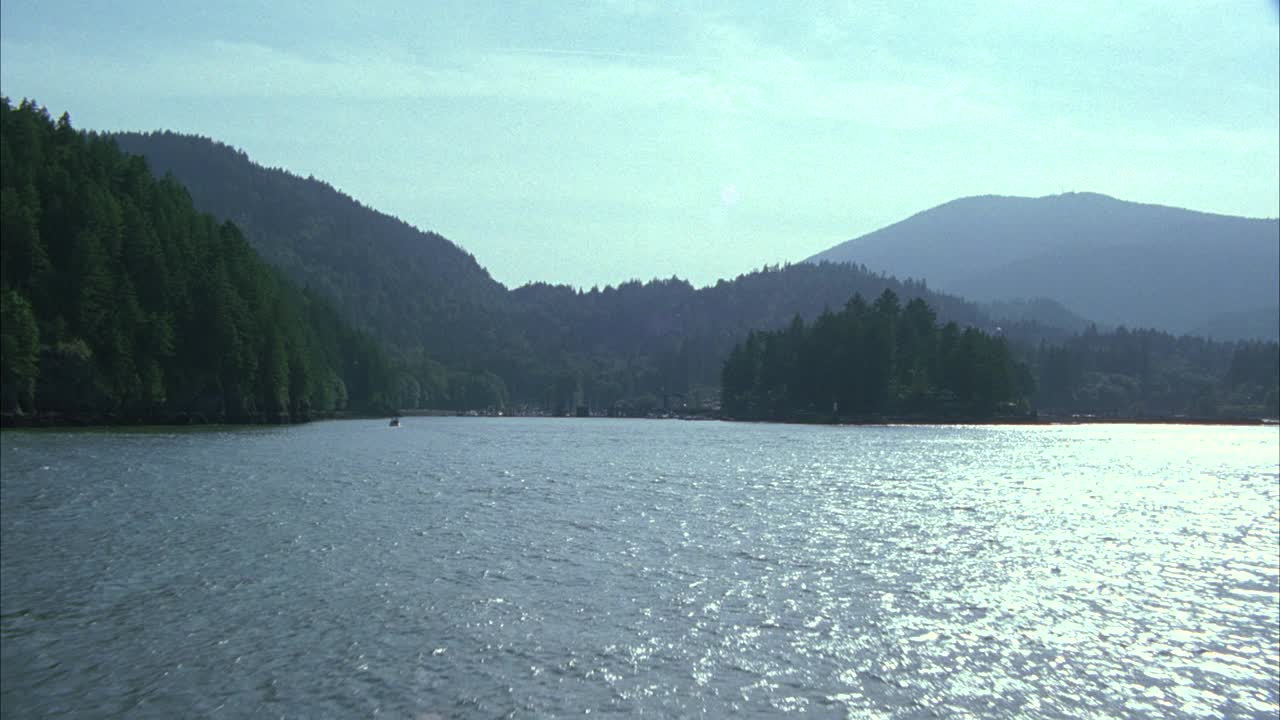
(630, 140)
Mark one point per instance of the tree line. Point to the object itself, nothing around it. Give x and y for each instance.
(441, 319)
(120, 301)
(118, 296)
(1148, 373)
(870, 361)
(461, 339)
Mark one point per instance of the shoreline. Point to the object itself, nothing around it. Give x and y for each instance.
(888, 421)
(89, 421)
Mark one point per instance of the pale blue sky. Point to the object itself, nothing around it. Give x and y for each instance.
(603, 141)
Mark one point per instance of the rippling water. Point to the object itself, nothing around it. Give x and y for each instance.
(544, 568)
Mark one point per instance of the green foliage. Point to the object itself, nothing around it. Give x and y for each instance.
(19, 352)
(400, 285)
(120, 300)
(871, 361)
(665, 338)
(445, 320)
(459, 340)
(1147, 373)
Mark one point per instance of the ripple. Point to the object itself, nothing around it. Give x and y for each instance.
(475, 567)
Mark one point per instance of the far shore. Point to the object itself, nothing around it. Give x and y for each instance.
(100, 420)
(1035, 420)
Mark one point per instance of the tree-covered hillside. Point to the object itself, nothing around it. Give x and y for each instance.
(410, 288)
(458, 339)
(120, 301)
(665, 337)
(448, 324)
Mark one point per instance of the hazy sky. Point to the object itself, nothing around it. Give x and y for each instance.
(603, 141)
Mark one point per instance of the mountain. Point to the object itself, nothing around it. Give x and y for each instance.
(429, 300)
(1254, 323)
(119, 298)
(404, 284)
(120, 302)
(1112, 261)
(666, 336)
(1056, 320)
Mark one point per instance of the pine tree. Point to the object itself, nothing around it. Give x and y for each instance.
(19, 353)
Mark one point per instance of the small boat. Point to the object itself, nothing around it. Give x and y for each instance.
(395, 422)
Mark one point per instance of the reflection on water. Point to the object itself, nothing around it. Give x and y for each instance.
(492, 567)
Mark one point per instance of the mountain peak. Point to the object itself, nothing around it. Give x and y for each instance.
(1112, 260)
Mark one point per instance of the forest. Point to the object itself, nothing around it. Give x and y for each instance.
(874, 361)
(1147, 373)
(122, 303)
(196, 284)
(628, 348)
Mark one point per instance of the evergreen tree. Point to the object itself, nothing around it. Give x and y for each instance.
(871, 361)
(19, 352)
(120, 300)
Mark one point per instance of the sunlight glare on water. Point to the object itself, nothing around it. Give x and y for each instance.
(541, 568)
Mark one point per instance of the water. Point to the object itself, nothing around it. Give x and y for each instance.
(460, 567)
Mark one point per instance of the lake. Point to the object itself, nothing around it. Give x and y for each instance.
(494, 567)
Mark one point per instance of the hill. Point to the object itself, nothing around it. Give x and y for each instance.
(1112, 261)
(391, 278)
(120, 299)
(121, 303)
(550, 346)
(1037, 318)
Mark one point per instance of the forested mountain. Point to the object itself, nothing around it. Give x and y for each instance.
(405, 285)
(449, 325)
(1114, 262)
(666, 337)
(1054, 320)
(1251, 323)
(119, 300)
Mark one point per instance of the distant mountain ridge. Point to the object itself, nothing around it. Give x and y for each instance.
(1109, 260)
(426, 297)
(459, 340)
